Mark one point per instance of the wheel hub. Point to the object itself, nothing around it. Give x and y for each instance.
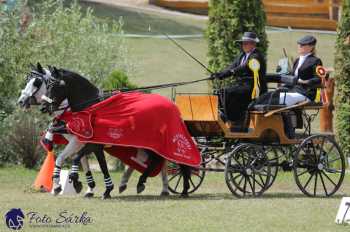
(249, 171)
(320, 166)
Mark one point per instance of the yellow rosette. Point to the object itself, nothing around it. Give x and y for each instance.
(254, 65)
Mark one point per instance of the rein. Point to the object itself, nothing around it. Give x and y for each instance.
(108, 93)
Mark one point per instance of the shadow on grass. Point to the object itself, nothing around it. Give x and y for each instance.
(212, 196)
(296, 195)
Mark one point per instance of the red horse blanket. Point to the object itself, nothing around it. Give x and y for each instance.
(127, 121)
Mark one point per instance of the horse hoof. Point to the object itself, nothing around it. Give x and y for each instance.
(106, 196)
(122, 188)
(78, 186)
(89, 195)
(140, 188)
(92, 184)
(164, 194)
(73, 177)
(184, 195)
(57, 190)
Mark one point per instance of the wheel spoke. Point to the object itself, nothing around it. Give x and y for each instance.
(171, 178)
(263, 172)
(244, 186)
(333, 170)
(300, 174)
(260, 184)
(192, 183)
(315, 186)
(323, 184)
(262, 180)
(321, 146)
(240, 181)
(251, 186)
(334, 160)
(177, 184)
(314, 152)
(308, 181)
(197, 174)
(328, 178)
(331, 149)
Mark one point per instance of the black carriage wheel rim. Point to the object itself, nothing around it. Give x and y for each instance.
(326, 175)
(241, 183)
(195, 181)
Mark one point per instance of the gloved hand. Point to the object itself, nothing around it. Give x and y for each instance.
(216, 76)
(48, 144)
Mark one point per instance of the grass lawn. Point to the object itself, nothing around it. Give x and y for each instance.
(212, 208)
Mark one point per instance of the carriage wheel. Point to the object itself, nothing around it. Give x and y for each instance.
(247, 171)
(273, 155)
(319, 166)
(175, 178)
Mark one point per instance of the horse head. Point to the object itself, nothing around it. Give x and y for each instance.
(69, 85)
(36, 87)
(56, 90)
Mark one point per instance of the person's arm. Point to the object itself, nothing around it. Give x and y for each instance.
(227, 72)
(315, 79)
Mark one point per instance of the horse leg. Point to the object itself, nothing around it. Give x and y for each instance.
(154, 160)
(71, 148)
(186, 173)
(125, 178)
(89, 178)
(164, 176)
(74, 175)
(103, 165)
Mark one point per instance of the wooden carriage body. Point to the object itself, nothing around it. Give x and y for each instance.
(200, 114)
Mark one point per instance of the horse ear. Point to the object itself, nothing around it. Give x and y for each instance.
(50, 68)
(40, 68)
(32, 66)
(54, 72)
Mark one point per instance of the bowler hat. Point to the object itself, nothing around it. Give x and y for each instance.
(249, 37)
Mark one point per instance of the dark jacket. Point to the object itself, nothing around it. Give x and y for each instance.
(243, 73)
(307, 71)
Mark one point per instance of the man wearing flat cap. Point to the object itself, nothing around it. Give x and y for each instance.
(249, 69)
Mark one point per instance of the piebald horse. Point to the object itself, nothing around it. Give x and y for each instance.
(81, 94)
(32, 94)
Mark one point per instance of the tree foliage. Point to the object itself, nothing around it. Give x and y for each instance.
(52, 34)
(228, 19)
(59, 35)
(342, 68)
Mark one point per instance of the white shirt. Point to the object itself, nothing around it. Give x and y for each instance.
(300, 63)
(245, 57)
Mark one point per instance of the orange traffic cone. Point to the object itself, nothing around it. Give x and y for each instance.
(44, 179)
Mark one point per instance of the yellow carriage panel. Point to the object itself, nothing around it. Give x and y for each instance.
(200, 113)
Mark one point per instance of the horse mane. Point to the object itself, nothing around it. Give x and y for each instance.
(81, 92)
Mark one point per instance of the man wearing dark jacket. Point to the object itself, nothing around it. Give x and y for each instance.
(249, 68)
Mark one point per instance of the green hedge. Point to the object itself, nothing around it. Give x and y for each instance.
(227, 21)
(342, 68)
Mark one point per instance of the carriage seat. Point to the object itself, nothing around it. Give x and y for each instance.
(263, 108)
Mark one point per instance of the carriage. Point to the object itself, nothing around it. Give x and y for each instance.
(252, 159)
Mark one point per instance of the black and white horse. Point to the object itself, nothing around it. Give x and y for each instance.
(81, 94)
(32, 94)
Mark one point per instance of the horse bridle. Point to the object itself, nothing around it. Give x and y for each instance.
(38, 76)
